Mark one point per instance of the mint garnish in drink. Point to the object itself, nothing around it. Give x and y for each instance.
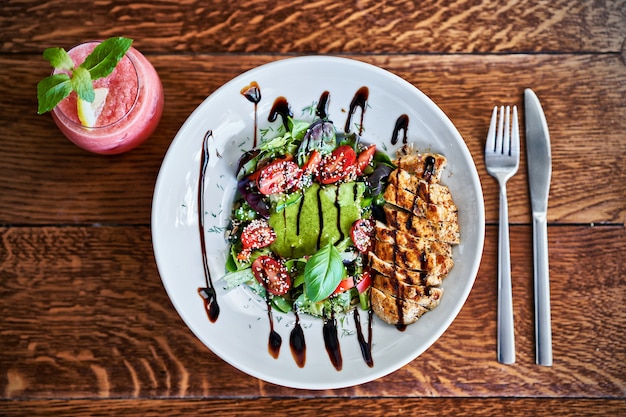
(99, 64)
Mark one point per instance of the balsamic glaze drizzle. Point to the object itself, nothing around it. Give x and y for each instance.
(359, 100)
(275, 341)
(402, 124)
(208, 294)
(322, 106)
(366, 345)
(331, 341)
(297, 342)
(252, 93)
(280, 107)
(429, 167)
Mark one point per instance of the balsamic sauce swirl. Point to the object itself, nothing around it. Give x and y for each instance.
(208, 294)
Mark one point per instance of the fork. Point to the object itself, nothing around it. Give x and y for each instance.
(502, 153)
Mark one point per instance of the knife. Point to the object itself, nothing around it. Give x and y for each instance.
(539, 173)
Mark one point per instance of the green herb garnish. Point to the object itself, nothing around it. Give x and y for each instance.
(323, 273)
(100, 63)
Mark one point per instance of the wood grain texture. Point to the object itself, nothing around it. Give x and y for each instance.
(86, 327)
(325, 26)
(85, 316)
(586, 127)
(424, 407)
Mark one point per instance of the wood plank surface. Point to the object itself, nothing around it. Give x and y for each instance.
(83, 188)
(85, 315)
(86, 326)
(425, 407)
(325, 26)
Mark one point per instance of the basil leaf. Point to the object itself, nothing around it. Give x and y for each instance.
(102, 60)
(51, 90)
(58, 58)
(323, 273)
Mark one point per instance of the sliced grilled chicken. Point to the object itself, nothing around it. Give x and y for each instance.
(433, 193)
(418, 206)
(419, 197)
(406, 240)
(407, 276)
(412, 252)
(431, 263)
(423, 295)
(426, 166)
(394, 310)
(447, 232)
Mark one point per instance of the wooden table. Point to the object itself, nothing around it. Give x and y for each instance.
(86, 326)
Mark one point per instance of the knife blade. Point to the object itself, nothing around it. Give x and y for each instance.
(539, 158)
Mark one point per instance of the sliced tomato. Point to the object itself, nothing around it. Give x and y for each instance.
(365, 281)
(272, 274)
(279, 176)
(263, 163)
(312, 164)
(365, 158)
(257, 234)
(362, 234)
(337, 165)
(344, 285)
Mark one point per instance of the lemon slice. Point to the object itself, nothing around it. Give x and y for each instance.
(88, 113)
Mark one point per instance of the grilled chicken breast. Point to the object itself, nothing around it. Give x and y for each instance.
(412, 251)
(408, 276)
(427, 166)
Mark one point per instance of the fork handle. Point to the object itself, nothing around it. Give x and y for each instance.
(543, 330)
(506, 329)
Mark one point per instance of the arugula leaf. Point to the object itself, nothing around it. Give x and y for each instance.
(323, 273)
(99, 63)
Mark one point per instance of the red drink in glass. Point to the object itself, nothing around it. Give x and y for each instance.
(131, 112)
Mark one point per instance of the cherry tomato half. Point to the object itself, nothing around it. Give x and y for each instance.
(336, 166)
(362, 234)
(364, 159)
(312, 164)
(257, 234)
(278, 177)
(271, 274)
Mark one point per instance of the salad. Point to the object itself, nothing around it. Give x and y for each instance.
(303, 218)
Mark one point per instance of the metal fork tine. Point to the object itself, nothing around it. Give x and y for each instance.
(500, 134)
(515, 136)
(491, 135)
(506, 140)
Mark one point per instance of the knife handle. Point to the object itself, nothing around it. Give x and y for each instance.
(543, 329)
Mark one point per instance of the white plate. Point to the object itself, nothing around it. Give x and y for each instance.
(240, 334)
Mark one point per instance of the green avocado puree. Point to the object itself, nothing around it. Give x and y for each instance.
(324, 214)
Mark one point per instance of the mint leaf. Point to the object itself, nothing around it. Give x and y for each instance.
(104, 58)
(81, 83)
(322, 273)
(58, 58)
(51, 90)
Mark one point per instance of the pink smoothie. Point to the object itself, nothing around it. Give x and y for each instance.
(132, 110)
